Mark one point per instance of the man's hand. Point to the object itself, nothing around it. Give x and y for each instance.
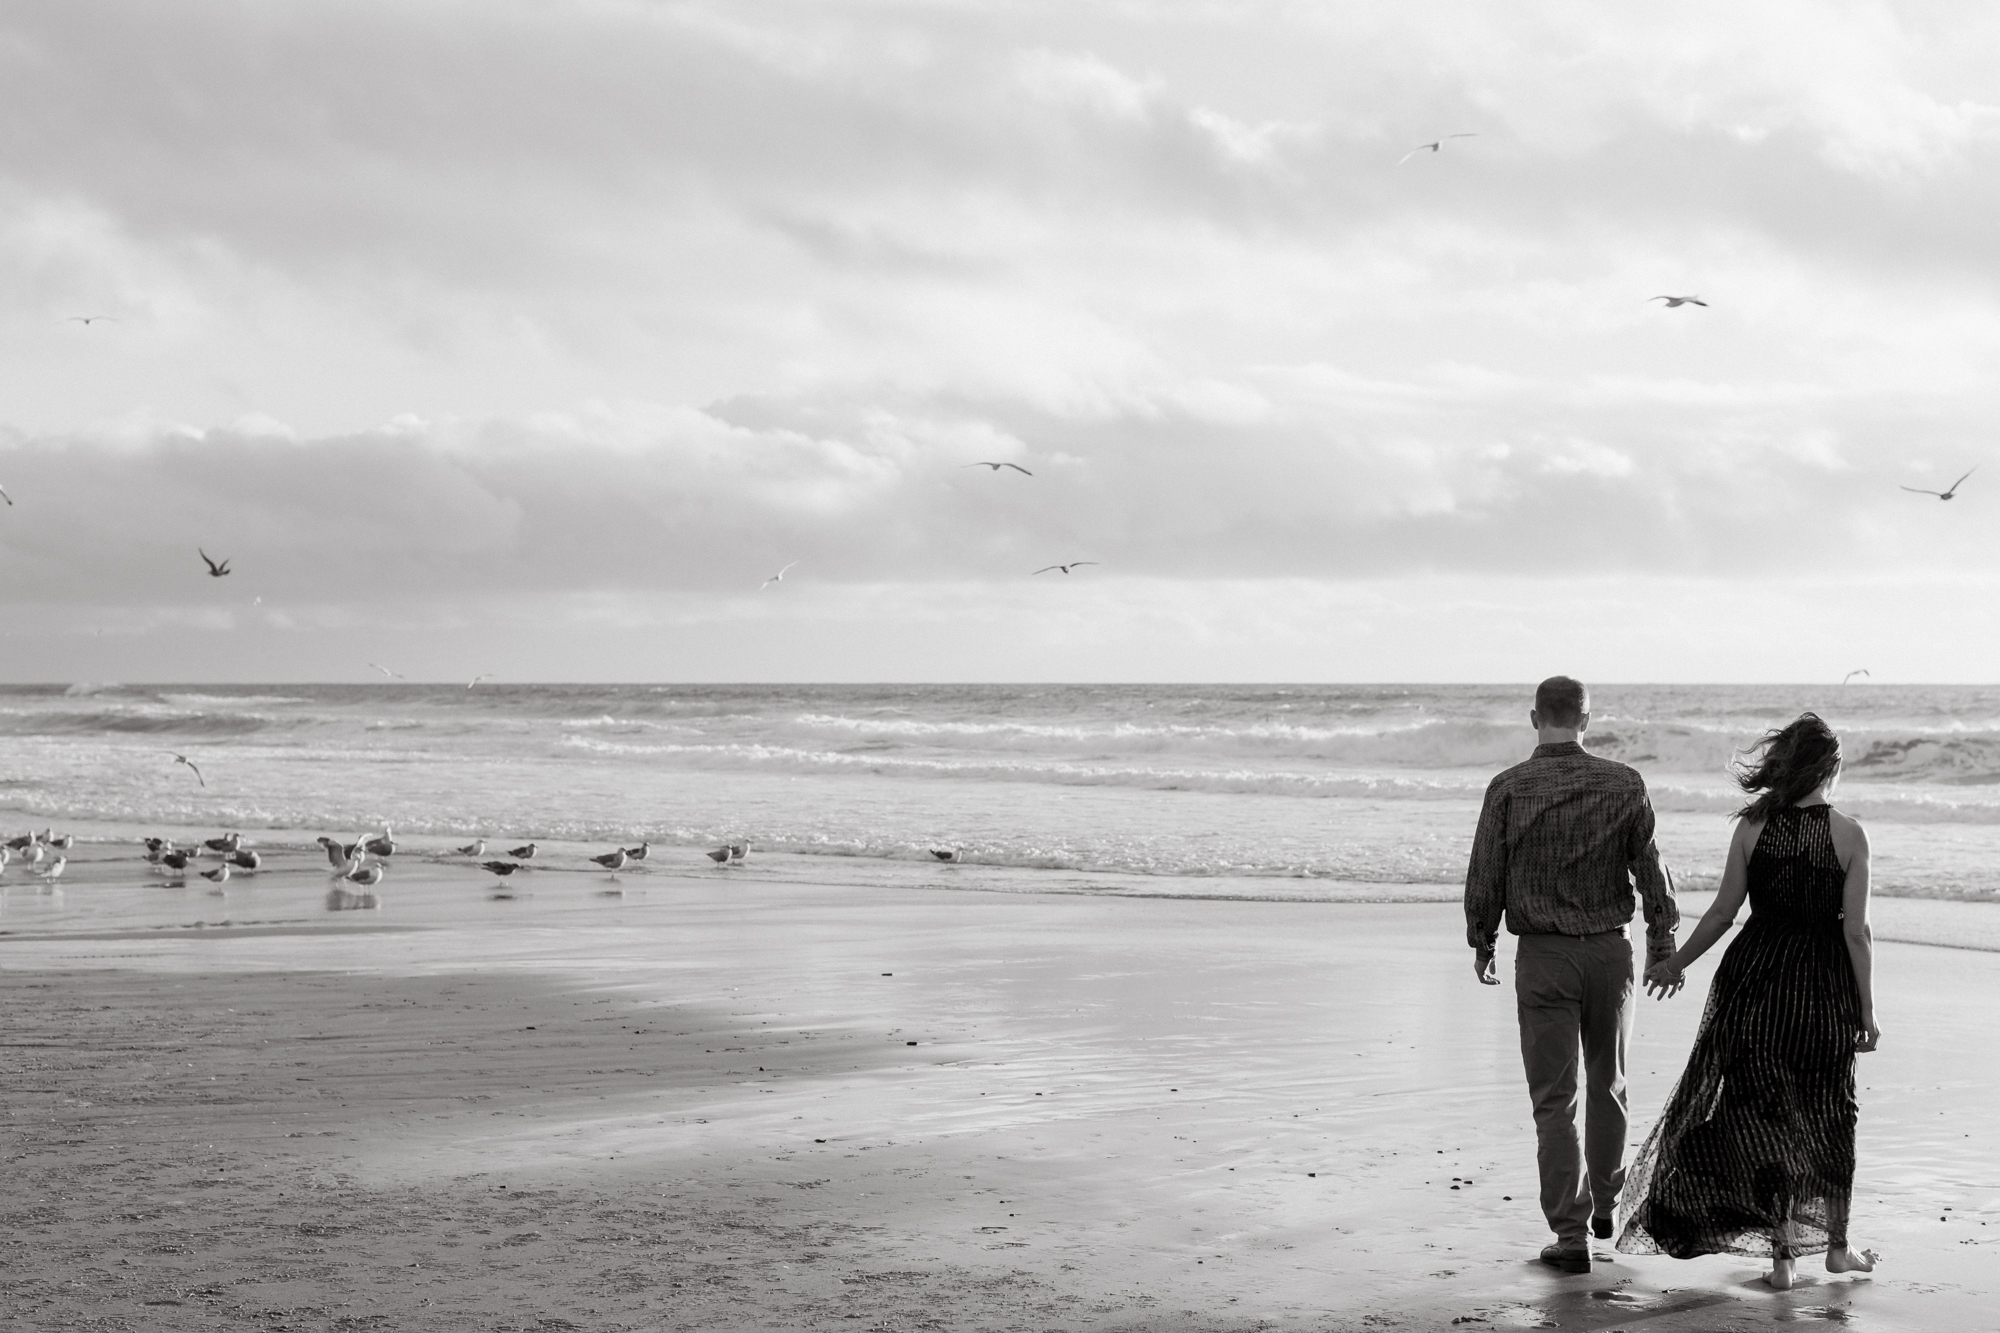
(1485, 968)
(1664, 980)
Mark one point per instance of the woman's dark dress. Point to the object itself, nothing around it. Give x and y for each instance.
(1754, 1153)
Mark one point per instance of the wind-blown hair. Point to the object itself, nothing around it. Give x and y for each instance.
(1795, 760)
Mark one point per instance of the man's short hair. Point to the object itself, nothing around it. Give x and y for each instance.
(1561, 701)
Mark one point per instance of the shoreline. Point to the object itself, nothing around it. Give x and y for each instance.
(108, 857)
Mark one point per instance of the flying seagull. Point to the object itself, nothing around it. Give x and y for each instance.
(394, 675)
(183, 759)
(997, 466)
(1863, 671)
(88, 320)
(1673, 301)
(778, 577)
(1435, 146)
(8, 498)
(215, 571)
(1945, 494)
(1074, 564)
(476, 679)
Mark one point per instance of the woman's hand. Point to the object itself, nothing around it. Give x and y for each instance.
(1664, 979)
(1870, 1036)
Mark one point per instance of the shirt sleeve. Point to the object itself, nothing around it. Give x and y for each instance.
(1654, 883)
(1486, 876)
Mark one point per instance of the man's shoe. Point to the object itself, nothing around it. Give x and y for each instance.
(1571, 1258)
(1602, 1227)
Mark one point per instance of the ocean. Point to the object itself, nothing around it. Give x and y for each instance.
(1258, 790)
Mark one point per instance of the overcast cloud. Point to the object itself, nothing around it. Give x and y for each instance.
(531, 337)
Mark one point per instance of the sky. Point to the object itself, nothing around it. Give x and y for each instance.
(486, 336)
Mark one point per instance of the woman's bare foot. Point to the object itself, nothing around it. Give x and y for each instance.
(1780, 1276)
(1847, 1261)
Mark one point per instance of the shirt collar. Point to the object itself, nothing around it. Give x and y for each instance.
(1557, 747)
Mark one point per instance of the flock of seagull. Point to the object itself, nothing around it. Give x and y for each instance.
(362, 862)
(32, 849)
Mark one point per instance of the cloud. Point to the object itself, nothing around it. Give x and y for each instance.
(423, 306)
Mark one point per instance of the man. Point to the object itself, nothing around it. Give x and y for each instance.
(1562, 840)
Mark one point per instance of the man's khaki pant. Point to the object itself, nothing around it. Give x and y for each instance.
(1574, 994)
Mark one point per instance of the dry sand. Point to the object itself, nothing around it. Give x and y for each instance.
(739, 1099)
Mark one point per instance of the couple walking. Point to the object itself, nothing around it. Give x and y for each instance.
(1754, 1152)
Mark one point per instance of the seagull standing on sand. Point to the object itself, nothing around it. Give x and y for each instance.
(502, 868)
(477, 847)
(1860, 671)
(1434, 146)
(215, 571)
(183, 759)
(245, 859)
(526, 853)
(173, 860)
(1074, 564)
(1947, 492)
(219, 875)
(997, 466)
(366, 876)
(952, 855)
(55, 868)
(225, 844)
(641, 852)
(720, 856)
(778, 577)
(382, 844)
(1673, 301)
(613, 860)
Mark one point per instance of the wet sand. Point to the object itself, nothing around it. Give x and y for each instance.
(696, 1105)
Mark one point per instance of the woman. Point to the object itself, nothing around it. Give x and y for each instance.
(1754, 1153)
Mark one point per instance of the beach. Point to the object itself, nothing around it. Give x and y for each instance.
(767, 1097)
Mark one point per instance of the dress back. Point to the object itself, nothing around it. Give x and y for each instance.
(1795, 879)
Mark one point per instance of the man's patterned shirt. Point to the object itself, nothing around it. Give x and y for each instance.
(1562, 840)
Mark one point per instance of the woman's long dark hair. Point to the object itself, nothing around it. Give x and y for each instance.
(1796, 760)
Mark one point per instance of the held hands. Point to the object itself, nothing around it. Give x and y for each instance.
(1664, 980)
(1484, 967)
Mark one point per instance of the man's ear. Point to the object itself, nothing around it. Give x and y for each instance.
(1535, 719)
(1582, 723)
